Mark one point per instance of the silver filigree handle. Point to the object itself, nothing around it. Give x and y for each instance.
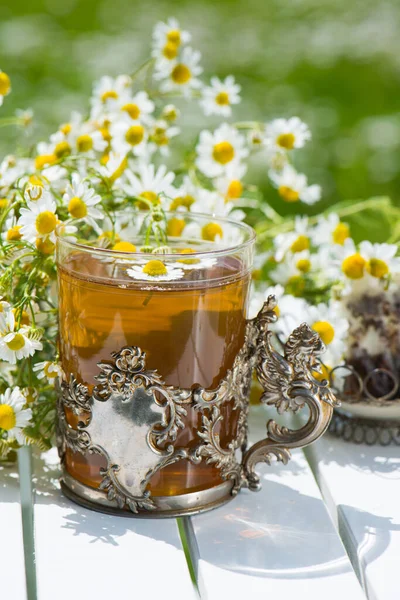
(289, 383)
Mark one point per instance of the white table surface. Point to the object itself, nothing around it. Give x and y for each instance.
(281, 541)
(12, 565)
(361, 486)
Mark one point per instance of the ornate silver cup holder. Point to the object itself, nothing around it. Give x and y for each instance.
(132, 419)
(370, 405)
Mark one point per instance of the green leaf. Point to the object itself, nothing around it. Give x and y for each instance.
(375, 219)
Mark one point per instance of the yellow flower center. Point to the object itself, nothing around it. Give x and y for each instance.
(341, 233)
(132, 109)
(188, 261)
(24, 316)
(295, 285)
(124, 247)
(110, 95)
(37, 181)
(155, 268)
(105, 132)
(325, 373)
(77, 208)
(353, 266)
(151, 197)
(62, 149)
(84, 143)
(210, 231)
(185, 201)
(8, 419)
(288, 194)
(181, 74)
(174, 36)
(175, 227)
(286, 140)
(110, 235)
(377, 267)
(235, 189)
(66, 128)
(14, 234)
(222, 99)
(223, 152)
(17, 343)
(303, 265)
(50, 370)
(45, 246)
(170, 50)
(46, 222)
(302, 243)
(325, 331)
(256, 274)
(5, 84)
(3, 203)
(134, 135)
(44, 160)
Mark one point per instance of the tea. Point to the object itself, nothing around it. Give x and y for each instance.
(191, 331)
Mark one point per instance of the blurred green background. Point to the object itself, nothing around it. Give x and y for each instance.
(334, 63)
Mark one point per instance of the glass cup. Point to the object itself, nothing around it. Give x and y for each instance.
(157, 355)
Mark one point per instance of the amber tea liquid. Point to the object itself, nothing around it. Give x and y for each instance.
(191, 331)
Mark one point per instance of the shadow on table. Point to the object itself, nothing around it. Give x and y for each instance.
(98, 526)
(9, 484)
(373, 531)
(277, 533)
(380, 460)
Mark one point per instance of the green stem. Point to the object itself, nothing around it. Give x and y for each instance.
(148, 63)
(11, 121)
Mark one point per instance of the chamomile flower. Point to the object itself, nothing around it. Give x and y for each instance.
(13, 416)
(380, 259)
(294, 241)
(168, 38)
(15, 345)
(12, 231)
(185, 196)
(287, 134)
(330, 230)
(79, 136)
(218, 151)
(128, 137)
(137, 108)
(328, 321)
(155, 270)
(106, 92)
(5, 86)
(150, 183)
(189, 264)
(114, 167)
(25, 118)
(291, 273)
(230, 185)
(180, 74)
(50, 370)
(39, 220)
(292, 186)
(218, 98)
(350, 264)
(160, 135)
(81, 200)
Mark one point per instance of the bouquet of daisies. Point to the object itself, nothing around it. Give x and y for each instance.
(128, 151)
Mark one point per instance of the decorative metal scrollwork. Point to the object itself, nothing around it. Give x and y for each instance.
(132, 418)
(289, 384)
